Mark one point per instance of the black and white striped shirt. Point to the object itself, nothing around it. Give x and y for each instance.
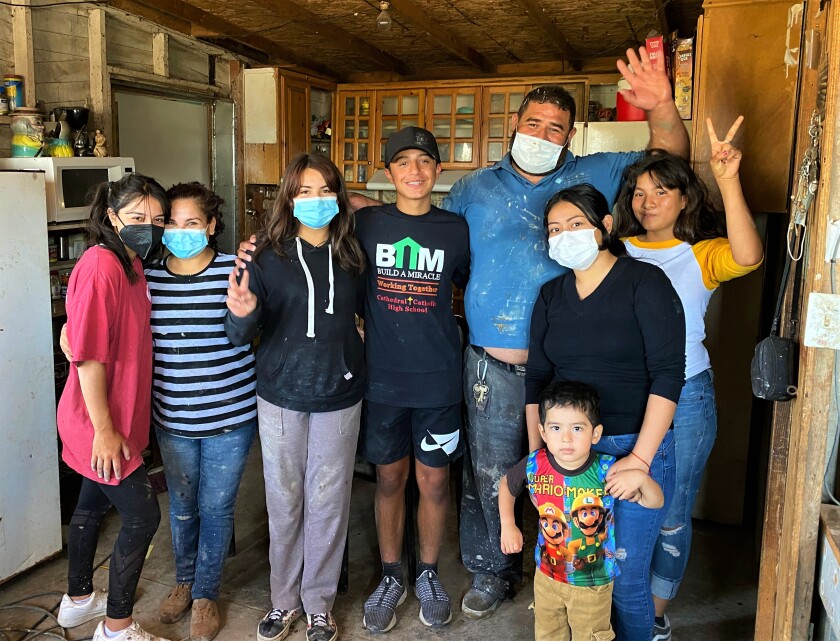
(202, 385)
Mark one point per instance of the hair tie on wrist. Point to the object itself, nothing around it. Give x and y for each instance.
(641, 459)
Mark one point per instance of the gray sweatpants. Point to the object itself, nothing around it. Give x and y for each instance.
(308, 467)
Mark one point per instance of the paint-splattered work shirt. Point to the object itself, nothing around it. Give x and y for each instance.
(509, 252)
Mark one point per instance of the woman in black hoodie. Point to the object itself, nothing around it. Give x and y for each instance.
(299, 293)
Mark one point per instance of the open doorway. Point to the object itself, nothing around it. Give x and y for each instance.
(180, 139)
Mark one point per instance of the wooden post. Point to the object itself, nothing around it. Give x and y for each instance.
(160, 54)
(100, 79)
(236, 94)
(791, 527)
(24, 55)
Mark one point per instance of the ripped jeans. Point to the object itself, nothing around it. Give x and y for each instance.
(203, 475)
(695, 429)
(636, 530)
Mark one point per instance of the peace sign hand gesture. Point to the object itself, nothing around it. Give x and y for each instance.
(240, 299)
(726, 159)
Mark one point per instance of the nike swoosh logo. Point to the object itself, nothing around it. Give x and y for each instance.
(446, 442)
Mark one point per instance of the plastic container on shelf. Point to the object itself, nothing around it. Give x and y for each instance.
(624, 111)
(27, 132)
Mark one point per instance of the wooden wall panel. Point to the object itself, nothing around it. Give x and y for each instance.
(128, 47)
(7, 52)
(62, 66)
(186, 63)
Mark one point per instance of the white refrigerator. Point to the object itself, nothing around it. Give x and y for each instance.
(30, 520)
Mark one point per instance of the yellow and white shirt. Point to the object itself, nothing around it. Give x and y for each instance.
(695, 271)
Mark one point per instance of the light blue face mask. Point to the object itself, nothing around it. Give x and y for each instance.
(185, 243)
(315, 213)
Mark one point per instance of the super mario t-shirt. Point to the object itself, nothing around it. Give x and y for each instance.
(576, 541)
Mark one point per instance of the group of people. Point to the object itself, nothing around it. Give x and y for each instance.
(587, 280)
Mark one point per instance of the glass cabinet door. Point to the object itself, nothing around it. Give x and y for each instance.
(452, 116)
(355, 117)
(500, 103)
(395, 110)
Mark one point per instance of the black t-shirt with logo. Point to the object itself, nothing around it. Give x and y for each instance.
(412, 345)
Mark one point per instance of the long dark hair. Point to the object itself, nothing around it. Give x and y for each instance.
(115, 196)
(207, 200)
(282, 226)
(595, 208)
(699, 220)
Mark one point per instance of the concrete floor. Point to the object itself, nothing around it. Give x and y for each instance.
(717, 600)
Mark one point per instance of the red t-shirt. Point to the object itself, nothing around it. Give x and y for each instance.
(108, 322)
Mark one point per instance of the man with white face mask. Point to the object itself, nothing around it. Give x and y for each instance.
(503, 206)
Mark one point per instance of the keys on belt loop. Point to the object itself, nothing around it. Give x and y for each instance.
(481, 391)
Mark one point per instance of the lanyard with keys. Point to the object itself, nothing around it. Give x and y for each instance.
(806, 189)
(481, 391)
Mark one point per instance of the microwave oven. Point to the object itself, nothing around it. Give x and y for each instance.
(70, 180)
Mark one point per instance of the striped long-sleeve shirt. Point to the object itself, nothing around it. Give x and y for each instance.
(202, 384)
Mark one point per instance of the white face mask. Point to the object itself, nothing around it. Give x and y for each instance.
(576, 249)
(535, 155)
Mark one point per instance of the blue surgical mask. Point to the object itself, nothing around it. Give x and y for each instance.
(315, 213)
(185, 243)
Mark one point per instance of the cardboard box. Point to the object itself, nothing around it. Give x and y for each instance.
(684, 76)
(658, 50)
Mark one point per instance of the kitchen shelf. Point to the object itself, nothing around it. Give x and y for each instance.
(79, 224)
(63, 264)
(5, 120)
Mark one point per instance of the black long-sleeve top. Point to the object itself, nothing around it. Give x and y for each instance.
(310, 357)
(626, 339)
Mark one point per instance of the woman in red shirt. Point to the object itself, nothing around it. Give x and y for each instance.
(103, 414)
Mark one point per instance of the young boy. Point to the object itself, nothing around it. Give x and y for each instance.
(566, 479)
(413, 350)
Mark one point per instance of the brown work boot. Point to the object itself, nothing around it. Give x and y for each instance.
(204, 624)
(176, 605)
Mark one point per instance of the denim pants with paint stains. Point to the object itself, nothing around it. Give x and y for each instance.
(139, 513)
(496, 440)
(695, 430)
(637, 529)
(203, 475)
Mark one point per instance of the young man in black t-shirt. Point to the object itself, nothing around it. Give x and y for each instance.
(413, 401)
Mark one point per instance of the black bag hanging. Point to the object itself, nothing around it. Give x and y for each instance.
(773, 371)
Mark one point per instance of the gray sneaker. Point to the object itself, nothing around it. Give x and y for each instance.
(662, 632)
(381, 606)
(275, 625)
(435, 607)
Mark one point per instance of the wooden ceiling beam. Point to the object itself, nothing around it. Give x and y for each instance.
(279, 55)
(236, 47)
(659, 7)
(419, 17)
(333, 33)
(538, 17)
(152, 15)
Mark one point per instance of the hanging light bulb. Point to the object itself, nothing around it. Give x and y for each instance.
(383, 20)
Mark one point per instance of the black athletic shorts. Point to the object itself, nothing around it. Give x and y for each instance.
(431, 434)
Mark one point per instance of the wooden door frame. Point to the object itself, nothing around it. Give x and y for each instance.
(800, 428)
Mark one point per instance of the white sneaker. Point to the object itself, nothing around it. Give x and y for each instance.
(132, 633)
(71, 614)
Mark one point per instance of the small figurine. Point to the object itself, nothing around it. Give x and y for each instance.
(100, 150)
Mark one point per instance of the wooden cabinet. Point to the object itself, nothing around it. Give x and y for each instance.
(277, 114)
(394, 110)
(452, 115)
(498, 105)
(354, 128)
(736, 78)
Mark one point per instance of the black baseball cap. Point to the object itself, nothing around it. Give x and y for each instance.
(411, 138)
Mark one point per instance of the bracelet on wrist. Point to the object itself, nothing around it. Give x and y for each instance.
(641, 459)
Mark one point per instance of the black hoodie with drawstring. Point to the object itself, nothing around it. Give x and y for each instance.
(310, 357)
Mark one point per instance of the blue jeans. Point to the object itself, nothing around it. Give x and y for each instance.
(695, 429)
(203, 475)
(637, 529)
